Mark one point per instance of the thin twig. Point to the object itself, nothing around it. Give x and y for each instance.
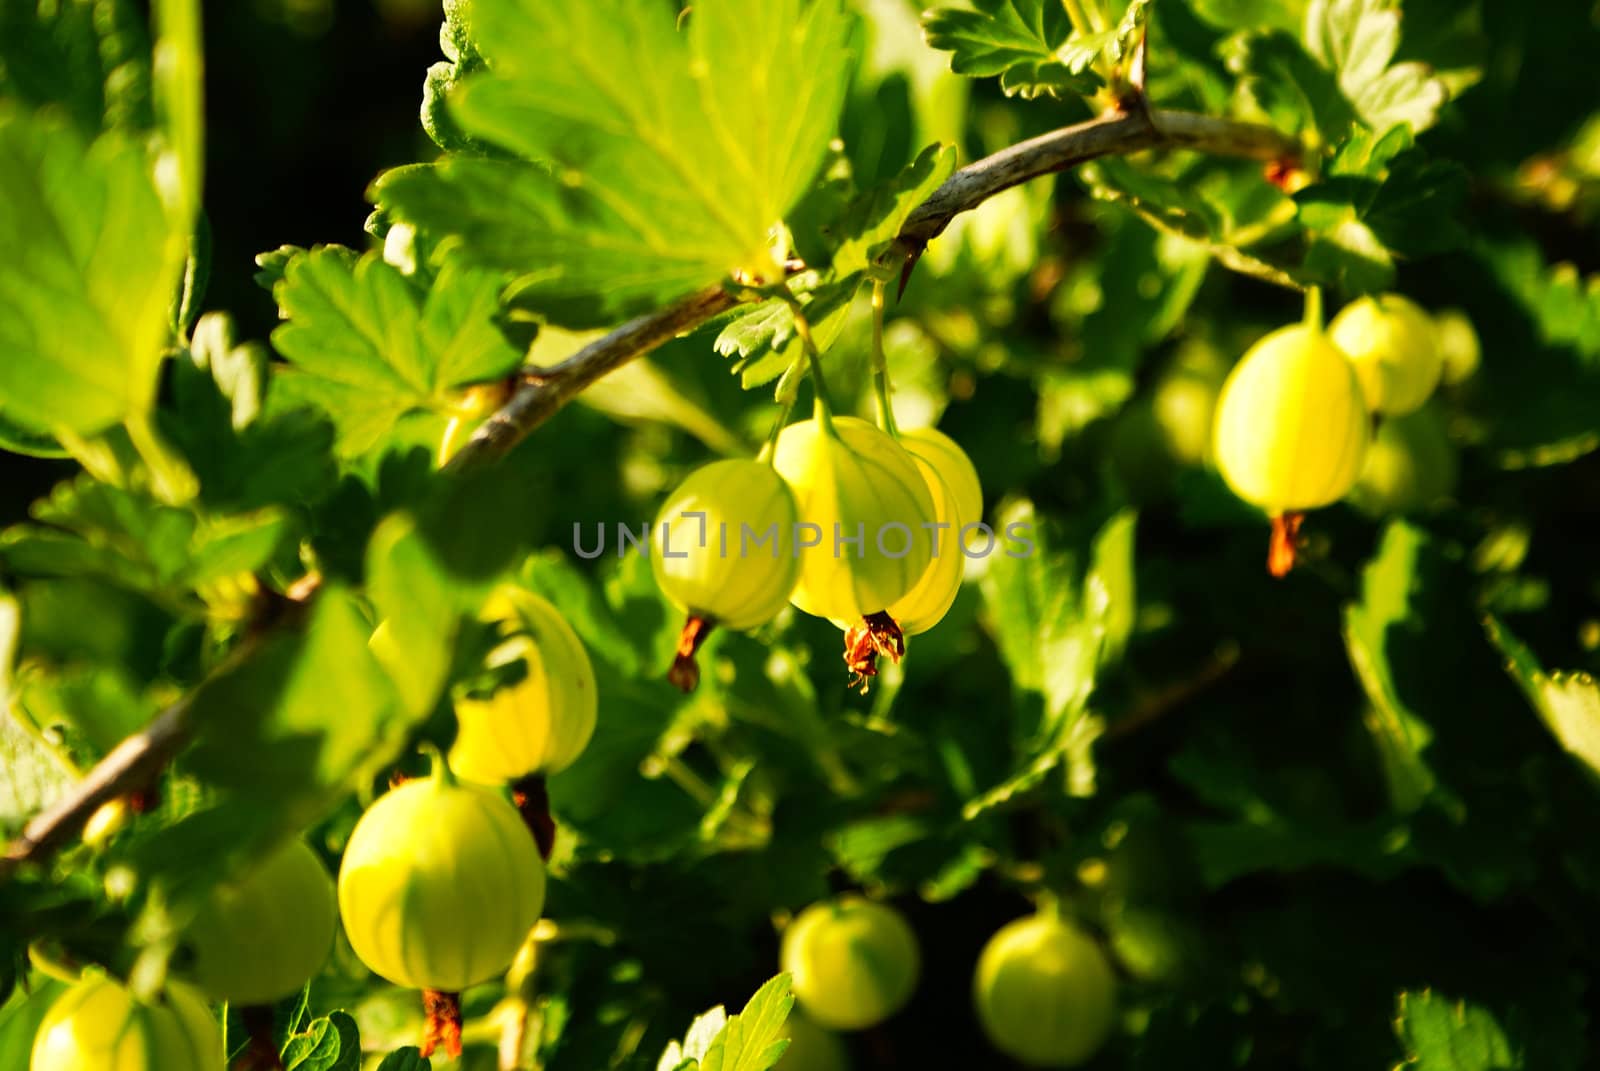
(132, 765)
(542, 392)
(1159, 704)
(1117, 134)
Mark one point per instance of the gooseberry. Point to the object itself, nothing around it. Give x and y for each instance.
(1044, 992)
(1410, 467)
(439, 886)
(258, 939)
(1291, 430)
(726, 554)
(98, 1025)
(540, 720)
(109, 819)
(953, 482)
(866, 509)
(1459, 347)
(871, 507)
(1391, 342)
(855, 962)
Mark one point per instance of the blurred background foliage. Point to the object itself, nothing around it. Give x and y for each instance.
(1308, 816)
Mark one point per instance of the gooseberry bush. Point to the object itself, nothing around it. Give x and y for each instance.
(1031, 533)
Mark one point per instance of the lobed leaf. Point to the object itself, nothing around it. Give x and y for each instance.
(1029, 44)
(633, 183)
(368, 346)
(84, 316)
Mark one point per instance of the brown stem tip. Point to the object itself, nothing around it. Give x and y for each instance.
(685, 671)
(1285, 543)
(443, 1011)
(262, 1053)
(875, 635)
(532, 799)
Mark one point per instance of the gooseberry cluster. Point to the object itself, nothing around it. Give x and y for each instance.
(850, 521)
(1294, 423)
(1044, 991)
(439, 888)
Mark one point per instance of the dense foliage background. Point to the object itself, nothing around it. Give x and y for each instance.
(1344, 819)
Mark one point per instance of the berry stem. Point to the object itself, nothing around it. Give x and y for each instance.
(880, 364)
(769, 450)
(1313, 314)
(442, 773)
(819, 385)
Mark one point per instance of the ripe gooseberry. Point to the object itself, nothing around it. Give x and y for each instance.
(258, 939)
(541, 709)
(953, 482)
(726, 555)
(855, 962)
(439, 886)
(1410, 467)
(98, 1025)
(871, 514)
(958, 501)
(1391, 342)
(1044, 992)
(1291, 428)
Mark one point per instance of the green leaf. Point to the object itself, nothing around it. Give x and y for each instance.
(764, 339)
(406, 1059)
(1382, 199)
(753, 1040)
(1027, 43)
(1050, 607)
(876, 217)
(1387, 611)
(1568, 703)
(84, 315)
(166, 552)
(368, 347)
(1439, 1034)
(1058, 612)
(31, 775)
(95, 706)
(1358, 39)
(1540, 323)
(332, 1043)
(1252, 14)
(263, 730)
(244, 459)
(19, 440)
(88, 58)
(178, 71)
(1295, 92)
(645, 178)
(463, 59)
